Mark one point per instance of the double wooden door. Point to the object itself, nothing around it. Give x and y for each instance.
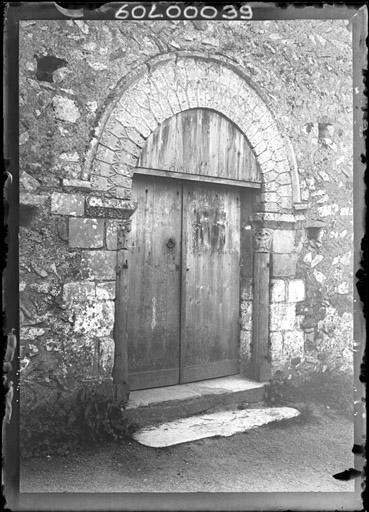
(183, 310)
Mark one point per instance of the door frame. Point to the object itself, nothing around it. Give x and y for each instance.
(240, 184)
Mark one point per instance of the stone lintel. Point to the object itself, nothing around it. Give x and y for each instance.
(110, 208)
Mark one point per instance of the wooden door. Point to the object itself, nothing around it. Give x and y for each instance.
(211, 270)
(184, 268)
(154, 284)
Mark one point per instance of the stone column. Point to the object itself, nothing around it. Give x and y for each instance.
(260, 357)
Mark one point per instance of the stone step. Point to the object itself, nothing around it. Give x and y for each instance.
(222, 423)
(158, 405)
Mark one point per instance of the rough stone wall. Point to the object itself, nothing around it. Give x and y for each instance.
(303, 73)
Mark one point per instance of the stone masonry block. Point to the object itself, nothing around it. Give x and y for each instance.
(296, 290)
(86, 233)
(104, 154)
(121, 181)
(106, 355)
(102, 169)
(284, 265)
(32, 199)
(101, 183)
(276, 347)
(282, 317)
(79, 291)
(67, 204)
(99, 265)
(109, 207)
(285, 202)
(112, 235)
(293, 344)
(283, 241)
(246, 315)
(247, 289)
(94, 319)
(245, 345)
(278, 290)
(105, 291)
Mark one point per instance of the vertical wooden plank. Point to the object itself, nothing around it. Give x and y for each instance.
(120, 370)
(211, 329)
(153, 310)
(183, 277)
(203, 142)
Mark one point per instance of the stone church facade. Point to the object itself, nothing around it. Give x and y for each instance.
(286, 86)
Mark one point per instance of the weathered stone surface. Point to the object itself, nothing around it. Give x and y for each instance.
(247, 289)
(67, 204)
(23, 138)
(282, 317)
(109, 207)
(276, 349)
(283, 241)
(65, 109)
(293, 343)
(224, 423)
(93, 318)
(77, 184)
(106, 355)
(112, 235)
(30, 333)
(245, 345)
(78, 291)
(246, 315)
(343, 288)
(28, 183)
(99, 265)
(86, 233)
(32, 199)
(278, 290)
(327, 171)
(296, 290)
(105, 290)
(284, 265)
(316, 260)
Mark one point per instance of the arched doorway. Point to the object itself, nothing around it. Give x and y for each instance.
(144, 100)
(194, 184)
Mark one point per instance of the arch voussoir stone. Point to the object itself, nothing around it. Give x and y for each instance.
(170, 86)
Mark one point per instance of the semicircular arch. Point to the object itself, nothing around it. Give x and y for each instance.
(169, 85)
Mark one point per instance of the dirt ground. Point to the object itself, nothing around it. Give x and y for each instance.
(296, 455)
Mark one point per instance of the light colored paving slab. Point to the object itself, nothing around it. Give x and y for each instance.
(225, 423)
(233, 384)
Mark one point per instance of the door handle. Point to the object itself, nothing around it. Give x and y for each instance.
(171, 243)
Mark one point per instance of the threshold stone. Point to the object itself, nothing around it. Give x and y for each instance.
(224, 423)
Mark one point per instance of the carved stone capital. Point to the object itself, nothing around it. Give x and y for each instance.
(262, 240)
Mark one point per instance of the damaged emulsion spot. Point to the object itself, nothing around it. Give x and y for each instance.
(209, 230)
(47, 65)
(153, 321)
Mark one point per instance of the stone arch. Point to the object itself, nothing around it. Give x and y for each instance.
(169, 84)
